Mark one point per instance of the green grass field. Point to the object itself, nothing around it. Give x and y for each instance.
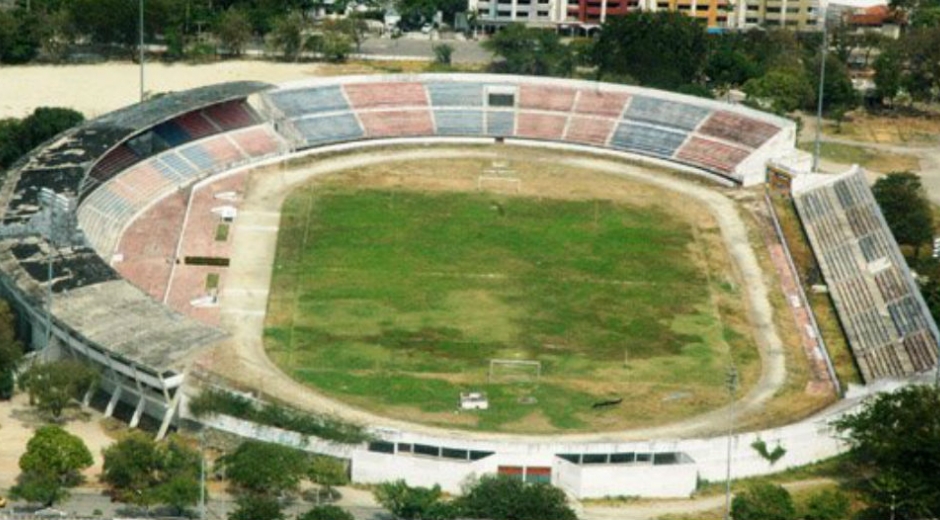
(395, 301)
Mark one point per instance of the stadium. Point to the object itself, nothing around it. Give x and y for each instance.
(157, 243)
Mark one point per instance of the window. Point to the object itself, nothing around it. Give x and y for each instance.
(382, 447)
(477, 455)
(451, 453)
(595, 458)
(424, 449)
(622, 458)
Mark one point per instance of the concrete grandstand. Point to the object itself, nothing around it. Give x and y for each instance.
(121, 177)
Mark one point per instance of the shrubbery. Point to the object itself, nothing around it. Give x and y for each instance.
(328, 428)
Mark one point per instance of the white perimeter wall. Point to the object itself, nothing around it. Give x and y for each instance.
(805, 442)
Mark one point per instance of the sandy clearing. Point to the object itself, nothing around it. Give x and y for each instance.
(16, 430)
(97, 89)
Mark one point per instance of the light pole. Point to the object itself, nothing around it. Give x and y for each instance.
(731, 380)
(822, 77)
(141, 31)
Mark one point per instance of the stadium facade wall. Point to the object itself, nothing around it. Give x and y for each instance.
(805, 442)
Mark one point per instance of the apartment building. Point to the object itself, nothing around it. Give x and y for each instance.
(800, 15)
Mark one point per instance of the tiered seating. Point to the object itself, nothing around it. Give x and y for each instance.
(647, 140)
(458, 122)
(116, 160)
(599, 103)
(196, 125)
(500, 124)
(175, 168)
(320, 100)
(890, 330)
(712, 155)
(589, 130)
(172, 134)
(397, 123)
(541, 126)
(738, 129)
(455, 94)
(231, 115)
(386, 95)
(330, 129)
(554, 99)
(212, 153)
(638, 121)
(258, 141)
(665, 113)
(147, 183)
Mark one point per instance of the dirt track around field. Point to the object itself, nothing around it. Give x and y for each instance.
(244, 300)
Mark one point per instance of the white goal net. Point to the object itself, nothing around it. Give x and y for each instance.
(514, 371)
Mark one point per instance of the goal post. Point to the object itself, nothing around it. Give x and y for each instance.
(514, 371)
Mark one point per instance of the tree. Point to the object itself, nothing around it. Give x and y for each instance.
(19, 36)
(356, 28)
(413, 503)
(52, 386)
(828, 504)
(679, 41)
(888, 73)
(140, 471)
(501, 497)
(728, 67)
(327, 471)
(527, 50)
(45, 123)
(894, 445)
(17, 138)
(780, 90)
(234, 30)
(52, 463)
(11, 351)
(416, 12)
(251, 506)
(328, 512)
(443, 53)
(904, 203)
(287, 36)
(334, 42)
(763, 501)
(922, 63)
(839, 95)
(264, 468)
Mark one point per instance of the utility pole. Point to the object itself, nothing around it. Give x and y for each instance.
(731, 380)
(822, 78)
(202, 474)
(141, 30)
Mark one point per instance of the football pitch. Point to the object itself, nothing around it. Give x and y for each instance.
(396, 301)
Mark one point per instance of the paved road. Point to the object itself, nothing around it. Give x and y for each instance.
(464, 51)
(927, 154)
(651, 509)
(92, 502)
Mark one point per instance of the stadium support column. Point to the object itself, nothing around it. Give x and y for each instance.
(170, 413)
(115, 397)
(141, 400)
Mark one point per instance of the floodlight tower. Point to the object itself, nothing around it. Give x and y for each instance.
(824, 14)
(731, 381)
